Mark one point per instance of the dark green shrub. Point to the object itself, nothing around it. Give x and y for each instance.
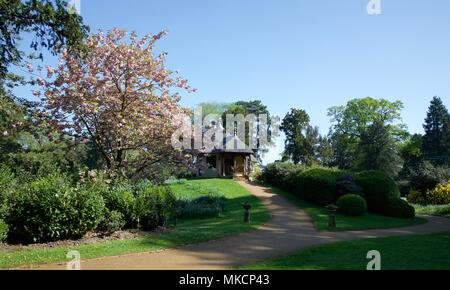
(154, 207)
(282, 174)
(378, 188)
(404, 187)
(50, 209)
(346, 184)
(119, 198)
(352, 204)
(3, 231)
(417, 197)
(318, 185)
(112, 221)
(400, 208)
(8, 183)
(205, 206)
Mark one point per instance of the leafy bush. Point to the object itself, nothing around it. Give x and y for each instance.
(427, 176)
(346, 184)
(318, 185)
(436, 196)
(416, 197)
(8, 183)
(256, 174)
(3, 231)
(50, 209)
(119, 198)
(379, 189)
(352, 204)
(440, 194)
(154, 206)
(282, 174)
(400, 208)
(205, 206)
(112, 221)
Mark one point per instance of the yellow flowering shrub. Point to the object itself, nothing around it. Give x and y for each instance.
(439, 195)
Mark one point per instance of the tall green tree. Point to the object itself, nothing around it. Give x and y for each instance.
(436, 141)
(51, 22)
(411, 153)
(302, 139)
(351, 121)
(378, 150)
(325, 151)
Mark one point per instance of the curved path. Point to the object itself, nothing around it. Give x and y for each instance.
(290, 229)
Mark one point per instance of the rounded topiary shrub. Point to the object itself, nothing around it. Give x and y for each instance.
(318, 185)
(400, 208)
(378, 188)
(51, 209)
(352, 204)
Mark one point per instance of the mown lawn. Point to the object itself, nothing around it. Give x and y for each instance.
(186, 232)
(319, 216)
(420, 252)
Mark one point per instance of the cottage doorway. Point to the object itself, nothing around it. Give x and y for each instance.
(229, 164)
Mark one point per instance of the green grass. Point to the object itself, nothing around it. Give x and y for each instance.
(186, 232)
(420, 252)
(319, 216)
(438, 210)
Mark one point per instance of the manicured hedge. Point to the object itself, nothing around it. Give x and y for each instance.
(282, 175)
(323, 186)
(379, 190)
(318, 185)
(352, 204)
(400, 208)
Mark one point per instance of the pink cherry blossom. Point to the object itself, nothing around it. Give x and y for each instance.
(119, 94)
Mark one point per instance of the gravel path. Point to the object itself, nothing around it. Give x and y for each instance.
(290, 229)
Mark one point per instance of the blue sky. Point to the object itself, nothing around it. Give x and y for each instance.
(309, 54)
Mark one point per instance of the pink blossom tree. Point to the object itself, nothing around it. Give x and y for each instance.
(120, 95)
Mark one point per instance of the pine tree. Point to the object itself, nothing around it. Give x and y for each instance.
(436, 141)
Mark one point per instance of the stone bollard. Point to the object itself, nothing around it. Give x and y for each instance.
(331, 216)
(247, 208)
